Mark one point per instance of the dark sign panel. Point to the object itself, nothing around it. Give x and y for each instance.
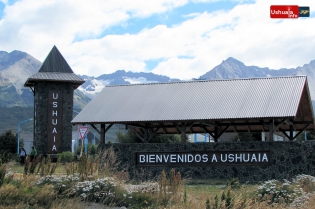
(54, 126)
(304, 11)
(205, 158)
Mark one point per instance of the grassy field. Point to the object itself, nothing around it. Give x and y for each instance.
(17, 168)
(110, 187)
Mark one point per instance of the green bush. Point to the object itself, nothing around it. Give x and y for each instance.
(92, 149)
(7, 156)
(66, 157)
(3, 170)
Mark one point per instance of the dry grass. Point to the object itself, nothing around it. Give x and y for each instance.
(172, 193)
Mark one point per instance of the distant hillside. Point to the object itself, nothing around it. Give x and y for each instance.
(232, 68)
(16, 101)
(94, 85)
(15, 68)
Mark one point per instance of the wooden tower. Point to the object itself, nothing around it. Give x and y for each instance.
(53, 87)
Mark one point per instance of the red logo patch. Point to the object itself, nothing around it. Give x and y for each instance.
(284, 11)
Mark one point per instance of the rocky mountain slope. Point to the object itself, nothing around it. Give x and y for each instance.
(232, 68)
(15, 68)
(93, 85)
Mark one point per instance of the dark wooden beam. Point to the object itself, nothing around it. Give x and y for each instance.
(163, 128)
(102, 135)
(284, 133)
(145, 135)
(222, 131)
(271, 130)
(177, 128)
(216, 133)
(183, 132)
(137, 134)
(108, 127)
(94, 127)
(279, 124)
(153, 134)
(296, 135)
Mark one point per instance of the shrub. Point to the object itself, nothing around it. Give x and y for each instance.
(9, 195)
(7, 156)
(92, 149)
(233, 183)
(274, 191)
(66, 157)
(3, 170)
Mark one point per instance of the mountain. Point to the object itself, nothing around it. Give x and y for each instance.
(15, 68)
(16, 102)
(232, 68)
(93, 85)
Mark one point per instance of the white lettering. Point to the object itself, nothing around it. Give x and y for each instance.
(265, 158)
(55, 97)
(254, 158)
(54, 113)
(180, 158)
(197, 158)
(190, 158)
(151, 159)
(204, 158)
(246, 159)
(54, 138)
(55, 104)
(54, 122)
(141, 158)
(54, 148)
(214, 158)
(54, 130)
(231, 158)
(224, 159)
(173, 158)
(165, 158)
(238, 158)
(159, 159)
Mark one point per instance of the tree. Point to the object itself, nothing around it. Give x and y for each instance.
(130, 137)
(8, 142)
(246, 136)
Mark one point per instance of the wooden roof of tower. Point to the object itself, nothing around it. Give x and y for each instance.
(56, 69)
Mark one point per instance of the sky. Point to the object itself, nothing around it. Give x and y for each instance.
(178, 38)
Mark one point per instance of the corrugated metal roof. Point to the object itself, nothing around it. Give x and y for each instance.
(55, 62)
(50, 76)
(54, 68)
(275, 97)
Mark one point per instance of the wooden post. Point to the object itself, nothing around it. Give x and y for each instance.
(291, 131)
(183, 132)
(102, 136)
(216, 134)
(145, 136)
(271, 130)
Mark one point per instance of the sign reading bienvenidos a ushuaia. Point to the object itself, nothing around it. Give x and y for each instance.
(248, 157)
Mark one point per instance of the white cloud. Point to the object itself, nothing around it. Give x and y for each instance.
(41, 24)
(189, 49)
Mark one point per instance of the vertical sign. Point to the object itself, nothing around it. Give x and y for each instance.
(54, 126)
